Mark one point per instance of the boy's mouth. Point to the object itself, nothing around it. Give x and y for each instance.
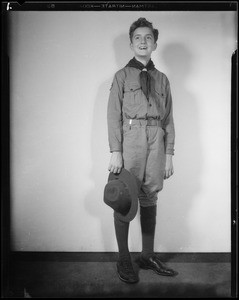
(142, 47)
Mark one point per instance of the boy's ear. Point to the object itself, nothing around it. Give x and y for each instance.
(155, 46)
(131, 45)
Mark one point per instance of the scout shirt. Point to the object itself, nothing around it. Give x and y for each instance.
(127, 101)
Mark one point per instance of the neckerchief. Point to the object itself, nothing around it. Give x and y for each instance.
(145, 78)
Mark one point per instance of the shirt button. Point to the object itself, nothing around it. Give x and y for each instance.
(150, 104)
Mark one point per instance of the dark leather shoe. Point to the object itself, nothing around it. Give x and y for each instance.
(126, 272)
(156, 265)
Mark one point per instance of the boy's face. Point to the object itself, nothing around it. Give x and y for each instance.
(143, 43)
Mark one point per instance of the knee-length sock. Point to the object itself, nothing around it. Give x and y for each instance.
(122, 231)
(148, 223)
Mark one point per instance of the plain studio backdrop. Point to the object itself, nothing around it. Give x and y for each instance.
(61, 69)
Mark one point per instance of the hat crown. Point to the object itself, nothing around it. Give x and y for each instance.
(121, 194)
(117, 196)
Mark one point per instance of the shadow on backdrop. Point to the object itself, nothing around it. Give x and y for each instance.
(173, 212)
(100, 154)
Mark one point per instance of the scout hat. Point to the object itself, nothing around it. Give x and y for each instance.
(121, 194)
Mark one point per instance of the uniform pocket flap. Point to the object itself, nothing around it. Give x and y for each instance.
(160, 91)
(132, 86)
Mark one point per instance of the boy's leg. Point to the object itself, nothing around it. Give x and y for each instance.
(122, 231)
(134, 157)
(148, 259)
(148, 223)
(152, 184)
(124, 264)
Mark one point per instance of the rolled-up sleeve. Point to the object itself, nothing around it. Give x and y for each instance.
(168, 123)
(114, 113)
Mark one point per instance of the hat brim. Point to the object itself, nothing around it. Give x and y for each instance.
(128, 179)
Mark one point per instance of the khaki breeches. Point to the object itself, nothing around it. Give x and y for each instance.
(144, 156)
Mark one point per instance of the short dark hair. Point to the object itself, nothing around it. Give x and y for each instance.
(142, 22)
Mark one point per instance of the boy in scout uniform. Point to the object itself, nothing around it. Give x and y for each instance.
(141, 139)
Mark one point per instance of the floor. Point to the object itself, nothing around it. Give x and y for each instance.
(98, 279)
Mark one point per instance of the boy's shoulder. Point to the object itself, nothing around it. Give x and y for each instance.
(121, 72)
(160, 76)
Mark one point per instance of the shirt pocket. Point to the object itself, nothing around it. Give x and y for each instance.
(160, 95)
(132, 92)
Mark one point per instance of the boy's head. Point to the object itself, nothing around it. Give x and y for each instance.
(142, 22)
(143, 39)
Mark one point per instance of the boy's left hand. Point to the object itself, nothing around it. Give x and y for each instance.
(169, 166)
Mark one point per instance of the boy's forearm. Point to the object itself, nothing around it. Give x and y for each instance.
(169, 134)
(169, 149)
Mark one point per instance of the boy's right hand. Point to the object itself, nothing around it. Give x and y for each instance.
(116, 162)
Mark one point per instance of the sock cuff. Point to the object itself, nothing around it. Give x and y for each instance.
(148, 211)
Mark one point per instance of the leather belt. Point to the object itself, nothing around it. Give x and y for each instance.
(146, 122)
